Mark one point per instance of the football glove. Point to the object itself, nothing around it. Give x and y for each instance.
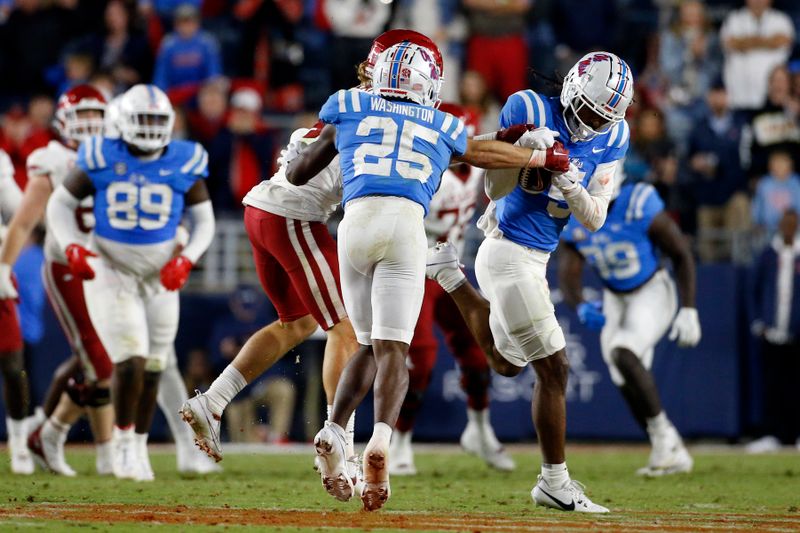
(538, 139)
(7, 288)
(175, 273)
(686, 328)
(554, 159)
(591, 315)
(568, 180)
(77, 258)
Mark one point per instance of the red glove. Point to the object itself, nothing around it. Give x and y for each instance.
(512, 134)
(175, 273)
(78, 264)
(557, 158)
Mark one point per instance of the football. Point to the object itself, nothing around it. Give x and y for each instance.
(532, 180)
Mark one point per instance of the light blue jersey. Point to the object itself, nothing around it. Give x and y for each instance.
(621, 252)
(535, 220)
(391, 148)
(140, 202)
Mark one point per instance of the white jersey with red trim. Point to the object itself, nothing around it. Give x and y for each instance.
(453, 206)
(313, 202)
(54, 162)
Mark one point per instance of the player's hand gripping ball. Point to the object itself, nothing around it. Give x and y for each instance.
(536, 180)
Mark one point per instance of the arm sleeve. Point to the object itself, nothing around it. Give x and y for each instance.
(202, 233)
(456, 137)
(61, 220)
(589, 204)
(10, 195)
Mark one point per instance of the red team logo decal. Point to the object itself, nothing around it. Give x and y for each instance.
(583, 65)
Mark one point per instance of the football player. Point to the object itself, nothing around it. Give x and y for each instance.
(296, 261)
(12, 364)
(451, 209)
(393, 146)
(141, 185)
(517, 326)
(639, 305)
(79, 115)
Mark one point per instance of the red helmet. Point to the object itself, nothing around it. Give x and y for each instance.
(69, 124)
(393, 37)
(469, 118)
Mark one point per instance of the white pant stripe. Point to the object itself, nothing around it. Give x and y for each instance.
(325, 269)
(312, 282)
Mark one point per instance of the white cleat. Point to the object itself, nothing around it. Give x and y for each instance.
(402, 455)
(331, 462)
(196, 462)
(126, 457)
(145, 470)
(442, 265)
(376, 490)
(21, 459)
(205, 425)
(766, 444)
(669, 456)
(569, 497)
(479, 439)
(104, 459)
(46, 445)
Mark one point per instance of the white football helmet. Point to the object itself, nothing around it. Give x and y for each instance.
(596, 93)
(409, 71)
(145, 118)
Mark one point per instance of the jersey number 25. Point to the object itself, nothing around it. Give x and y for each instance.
(147, 207)
(408, 163)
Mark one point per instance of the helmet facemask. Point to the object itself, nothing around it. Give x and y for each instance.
(82, 122)
(585, 121)
(147, 130)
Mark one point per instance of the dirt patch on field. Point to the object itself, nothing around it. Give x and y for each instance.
(538, 521)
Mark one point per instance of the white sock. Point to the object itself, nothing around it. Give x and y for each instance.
(171, 396)
(52, 426)
(555, 475)
(349, 432)
(15, 428)
(122, 434)
(103, 450)
(141, 439)
(478, 417)
(224, 388)
(381, 435)
(658, 424)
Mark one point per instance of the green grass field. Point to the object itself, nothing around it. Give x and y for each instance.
(454, 492)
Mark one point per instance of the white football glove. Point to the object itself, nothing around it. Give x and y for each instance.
(292, 150)
(7, 289)
(538, 139)
(567, 181)
(686, 328)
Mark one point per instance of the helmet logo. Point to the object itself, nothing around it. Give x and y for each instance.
(596, 58)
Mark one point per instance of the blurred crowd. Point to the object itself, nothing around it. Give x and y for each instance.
(715, 123)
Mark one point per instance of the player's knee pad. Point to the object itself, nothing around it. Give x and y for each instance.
(475, 381)
(77, 390)
(98, 397)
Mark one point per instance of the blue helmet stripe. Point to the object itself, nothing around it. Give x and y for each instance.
(393, 81)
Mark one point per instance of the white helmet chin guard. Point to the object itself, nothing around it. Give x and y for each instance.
(408, 71)
(602, 83)
(145, 118)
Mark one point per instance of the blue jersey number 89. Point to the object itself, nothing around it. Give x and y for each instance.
(147, 207)
(408, 164)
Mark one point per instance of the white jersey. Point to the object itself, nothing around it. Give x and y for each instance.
(452, 207)
(54, 161)
(313, 202)
(10, 195)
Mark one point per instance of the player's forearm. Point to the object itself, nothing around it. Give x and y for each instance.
(202, 234)
(30, 211)
(685, 278)
(61, 217)
(590, 210)
(496, 154)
